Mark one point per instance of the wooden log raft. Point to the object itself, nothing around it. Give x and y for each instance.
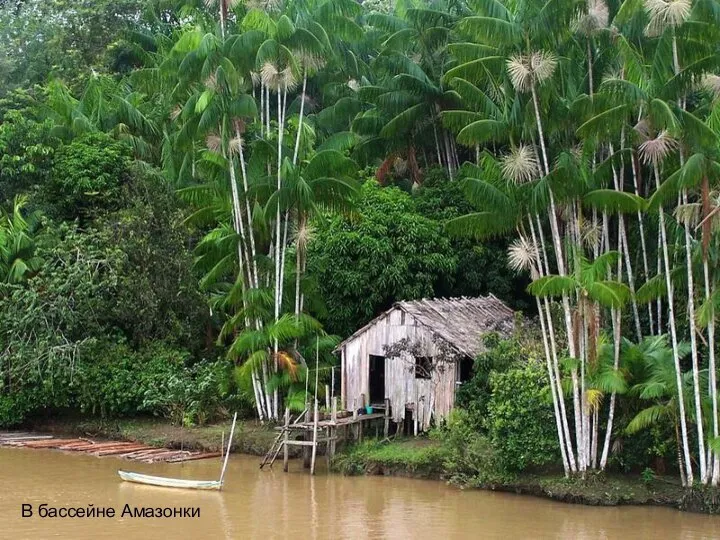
(122, 449)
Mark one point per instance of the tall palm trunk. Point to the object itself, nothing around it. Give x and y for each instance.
(248, 213)
(715, 474)
(693, 349)
(616, 365)
(673, 335)
(713, 462)
(643, 244)
(553, 347)
(623, 246)
(300, 121)
(557, 243)
(551, 359)
(691, 303)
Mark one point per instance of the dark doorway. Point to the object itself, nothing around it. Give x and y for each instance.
(376, 380)
(466, 369)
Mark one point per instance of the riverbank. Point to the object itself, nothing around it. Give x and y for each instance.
(422, 458)
(412, 458)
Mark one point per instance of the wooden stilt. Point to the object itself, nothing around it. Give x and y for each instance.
(286, 449)
(386, 429)
(306, 437)
(314, 445)
(327, 397)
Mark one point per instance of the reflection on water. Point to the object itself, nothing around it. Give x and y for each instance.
(272, 504)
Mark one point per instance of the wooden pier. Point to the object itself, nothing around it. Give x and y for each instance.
(310, 432)
(127, 450)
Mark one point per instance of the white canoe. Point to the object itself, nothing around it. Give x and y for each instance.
(163, 481)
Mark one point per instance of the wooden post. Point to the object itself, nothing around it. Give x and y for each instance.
(332, 382)
(306, 437)
(328, 429)
(327, 397)
(386, 430)
(227, 454)
(314, 445)
(363, 401)
(355, 417)
(286, 449)
(332, 432)
(415, 419)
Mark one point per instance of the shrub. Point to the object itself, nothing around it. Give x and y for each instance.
(520, 419)
(474, 395)
(469, 457)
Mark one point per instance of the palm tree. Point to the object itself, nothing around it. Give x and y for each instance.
(18, 260)
(661, 388)
(593, 292)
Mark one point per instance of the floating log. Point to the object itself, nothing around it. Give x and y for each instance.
(167, 456)
(18, 438)
(119, 450)
(193, 457)
(145, 452)
(48, 443)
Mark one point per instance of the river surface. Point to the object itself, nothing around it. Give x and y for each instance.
(272, 504)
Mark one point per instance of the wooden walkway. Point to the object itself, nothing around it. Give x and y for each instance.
(310, 434)
(127, 450)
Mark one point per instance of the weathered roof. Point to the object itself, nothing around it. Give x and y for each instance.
(459, 321)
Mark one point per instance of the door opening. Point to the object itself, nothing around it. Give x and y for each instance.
(376, 380)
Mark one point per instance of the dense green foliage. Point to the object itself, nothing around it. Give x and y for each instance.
(520, 423)
(383, 251)
(87, 176)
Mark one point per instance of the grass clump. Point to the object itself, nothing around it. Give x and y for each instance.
(421, 458)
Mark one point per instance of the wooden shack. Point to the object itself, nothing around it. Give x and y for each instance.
(417, 353)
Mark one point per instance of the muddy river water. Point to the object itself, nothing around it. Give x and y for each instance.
(272, 504)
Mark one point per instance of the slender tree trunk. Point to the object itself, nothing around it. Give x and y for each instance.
(248, 212)
(437, 145)
(258, 398)
(673, 336)
(567, 465)
(553, 347)
(683, 477)
(643, 244)
(561, 269)
(298, 266)
(694, 350)
(300, 122)
(262, 110)
(553, 390)
(659, 272)
(617, 335)
(583, 397)
(712, 369)
(278, 248)
(623, 246)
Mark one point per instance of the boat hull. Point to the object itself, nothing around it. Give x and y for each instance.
(162, 481)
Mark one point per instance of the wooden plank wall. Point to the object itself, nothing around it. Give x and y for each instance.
(434, 397)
